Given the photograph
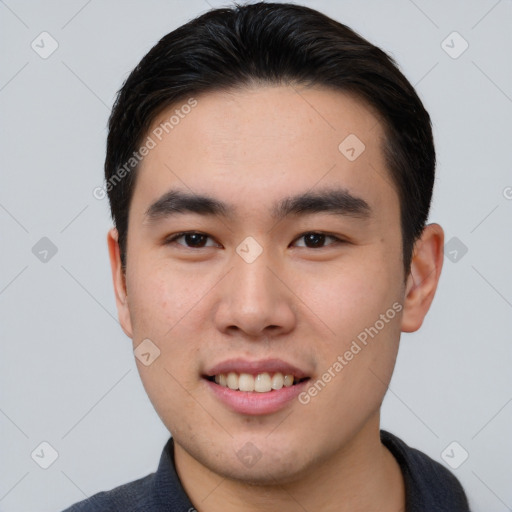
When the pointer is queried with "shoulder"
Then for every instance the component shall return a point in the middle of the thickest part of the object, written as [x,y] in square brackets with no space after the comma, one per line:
[130,497]
[158,491]
[426,480]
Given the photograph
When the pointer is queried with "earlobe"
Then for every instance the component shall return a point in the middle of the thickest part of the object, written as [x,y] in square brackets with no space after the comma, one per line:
[426,265]
[119,282]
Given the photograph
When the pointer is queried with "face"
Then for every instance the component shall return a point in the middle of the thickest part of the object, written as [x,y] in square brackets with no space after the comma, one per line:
[290,265]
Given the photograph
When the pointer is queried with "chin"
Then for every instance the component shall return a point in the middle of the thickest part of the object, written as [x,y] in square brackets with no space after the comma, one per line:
[268,471]
[254,460]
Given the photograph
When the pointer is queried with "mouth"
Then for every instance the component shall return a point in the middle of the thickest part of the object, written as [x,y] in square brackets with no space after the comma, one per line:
[255,387]
[264,382]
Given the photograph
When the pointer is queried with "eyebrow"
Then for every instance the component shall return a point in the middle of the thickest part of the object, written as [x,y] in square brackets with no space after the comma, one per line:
[337,201]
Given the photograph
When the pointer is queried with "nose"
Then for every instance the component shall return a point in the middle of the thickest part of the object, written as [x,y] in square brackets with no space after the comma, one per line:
[255,300]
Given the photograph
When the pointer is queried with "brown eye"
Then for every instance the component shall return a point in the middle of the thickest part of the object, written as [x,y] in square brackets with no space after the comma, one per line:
[195,239]
[191,239]
[315,240]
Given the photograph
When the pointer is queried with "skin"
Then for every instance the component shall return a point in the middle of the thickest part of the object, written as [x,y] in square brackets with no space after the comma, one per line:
[250,148]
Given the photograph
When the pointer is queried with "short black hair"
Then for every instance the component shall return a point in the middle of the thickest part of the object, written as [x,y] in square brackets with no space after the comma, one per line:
[273,44]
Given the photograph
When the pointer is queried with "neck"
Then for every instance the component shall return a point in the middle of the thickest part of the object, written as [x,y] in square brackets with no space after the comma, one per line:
[360,477]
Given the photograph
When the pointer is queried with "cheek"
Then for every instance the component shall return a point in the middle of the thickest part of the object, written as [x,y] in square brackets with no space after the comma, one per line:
[351,296]
[159,298]
[362,309]
[149,299]
[162,306]
[158,308]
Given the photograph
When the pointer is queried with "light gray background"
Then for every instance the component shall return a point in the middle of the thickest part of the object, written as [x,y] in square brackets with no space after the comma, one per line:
[68,375]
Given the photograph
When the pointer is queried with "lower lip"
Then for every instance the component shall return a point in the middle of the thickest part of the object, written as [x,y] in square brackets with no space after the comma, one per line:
[253,402]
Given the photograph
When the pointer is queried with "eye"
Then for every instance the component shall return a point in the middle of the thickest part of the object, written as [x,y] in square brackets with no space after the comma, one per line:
[191,239]
[315,240]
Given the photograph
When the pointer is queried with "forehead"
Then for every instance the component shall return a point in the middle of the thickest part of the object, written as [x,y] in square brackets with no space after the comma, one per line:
[248,146]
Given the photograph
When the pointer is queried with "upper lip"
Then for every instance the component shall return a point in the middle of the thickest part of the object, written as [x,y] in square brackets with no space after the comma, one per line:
[240,365]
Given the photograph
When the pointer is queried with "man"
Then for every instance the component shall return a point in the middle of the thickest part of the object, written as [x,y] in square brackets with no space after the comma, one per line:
[270,174]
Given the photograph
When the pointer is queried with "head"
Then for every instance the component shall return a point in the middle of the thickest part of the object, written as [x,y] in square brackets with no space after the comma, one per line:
[303,161]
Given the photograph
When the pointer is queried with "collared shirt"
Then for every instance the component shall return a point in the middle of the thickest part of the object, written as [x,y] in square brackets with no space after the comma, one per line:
[429,486]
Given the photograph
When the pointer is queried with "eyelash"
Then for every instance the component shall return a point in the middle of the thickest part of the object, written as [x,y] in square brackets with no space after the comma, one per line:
[172,239]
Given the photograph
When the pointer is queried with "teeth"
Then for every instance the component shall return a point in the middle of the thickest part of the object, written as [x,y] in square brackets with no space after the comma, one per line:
[261,383]
[277,381]
[288,380]
[232,380]
[246,382]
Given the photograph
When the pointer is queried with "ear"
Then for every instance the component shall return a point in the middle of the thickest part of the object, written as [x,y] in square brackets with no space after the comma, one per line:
[426,265]
[119,280]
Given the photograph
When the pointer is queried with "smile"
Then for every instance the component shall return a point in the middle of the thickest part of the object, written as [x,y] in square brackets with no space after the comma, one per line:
[261,382]
[255,387]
